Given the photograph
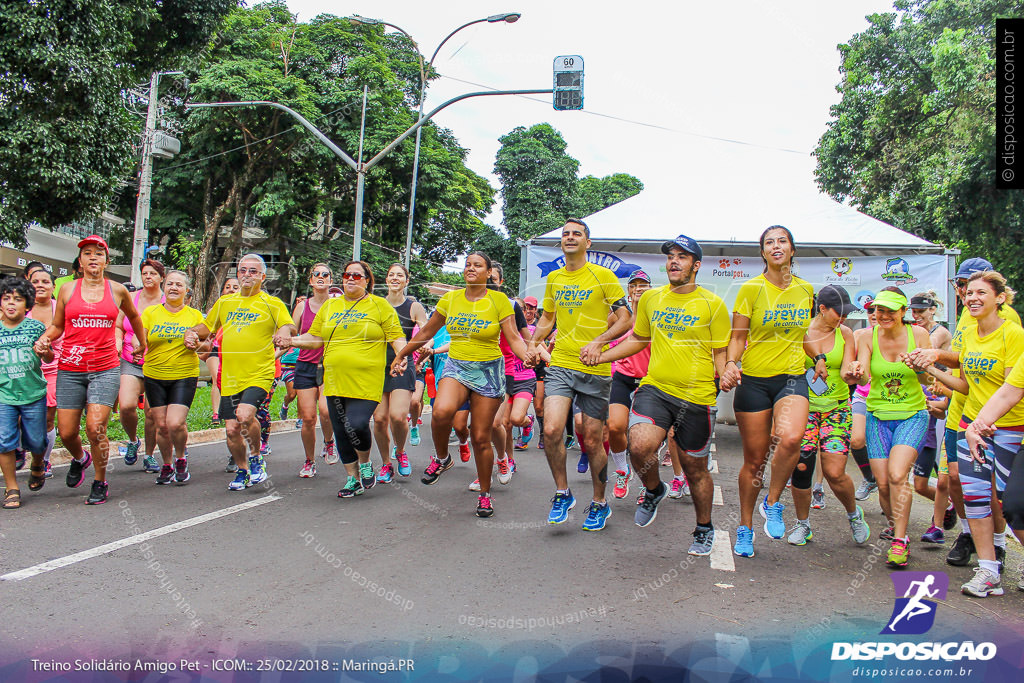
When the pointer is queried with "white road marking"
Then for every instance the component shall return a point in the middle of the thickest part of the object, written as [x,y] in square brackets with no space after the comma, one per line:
[713,467]
[718,500]
[133,540]
[721,552]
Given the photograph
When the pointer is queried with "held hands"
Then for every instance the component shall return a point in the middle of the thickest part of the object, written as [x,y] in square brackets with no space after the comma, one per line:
[532,354]
[731,378]
[42,346]
[398,366]
[854,371]
[283,341]
[920,359]
[591,354]
[191,339]
[138,351]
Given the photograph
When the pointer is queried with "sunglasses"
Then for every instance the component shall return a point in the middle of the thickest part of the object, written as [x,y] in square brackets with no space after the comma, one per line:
[246,271]
[320,273]
[870,309]
[352,276]
[959,284]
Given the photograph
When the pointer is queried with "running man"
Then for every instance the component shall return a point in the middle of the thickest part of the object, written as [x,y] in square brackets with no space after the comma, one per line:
[579,296]
[252,321]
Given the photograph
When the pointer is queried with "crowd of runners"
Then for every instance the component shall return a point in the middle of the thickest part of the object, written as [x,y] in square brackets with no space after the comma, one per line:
[632,375]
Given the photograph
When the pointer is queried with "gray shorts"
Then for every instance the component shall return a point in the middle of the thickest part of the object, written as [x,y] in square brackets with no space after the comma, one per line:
[75,390]
[590,392]
[859,405]
[132,370]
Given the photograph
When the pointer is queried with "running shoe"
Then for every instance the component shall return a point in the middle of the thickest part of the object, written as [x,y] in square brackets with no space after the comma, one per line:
[933,535]
[888,533]
[504,471]
[560,506]
[1020,573]
[899,554]
[48,473]
[98,494]
[414,436]
[150,464]
[512,464]
[329,455]
[231,466]
[1000,556]
[76,473]
[215,420]
[584,464]
[241,481]
[366,475]
[622,478]
[859,527]
[257,469]
[960,554]
[984,584]
[648,509]
[865,489]
[435,469]
[464,452]
[298,423]
[686,486]
[181,473]
[527,434]
[540,442]
[352,488]
[949,518]
[744,542]
[597,515]
[519,445]
[570,442]
[800,534]
[483,506]
[131,452]
[676,488]
[386,474]
[640,496]
[703,539]
[265,449]
[166,475]
[774,525]
[308,470]
[404,468]
[419,421]
[283,414]
[667,460]
[19,458]
[475,486]
[818,498]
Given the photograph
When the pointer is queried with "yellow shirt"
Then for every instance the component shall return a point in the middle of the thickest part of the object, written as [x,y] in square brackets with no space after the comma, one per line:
[474,326]
[956,403]
[779,319]
[581,301]
[356,336]
[984,362]
[683,328]
[167,357]
[247,348]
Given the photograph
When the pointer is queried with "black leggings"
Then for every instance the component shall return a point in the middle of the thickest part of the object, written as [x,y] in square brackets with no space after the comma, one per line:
[1013,496]
[803,478]
[350,418]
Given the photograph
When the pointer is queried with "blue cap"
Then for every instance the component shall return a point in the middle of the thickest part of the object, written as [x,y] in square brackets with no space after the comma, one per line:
[639,274]
[687,244]
[972,266]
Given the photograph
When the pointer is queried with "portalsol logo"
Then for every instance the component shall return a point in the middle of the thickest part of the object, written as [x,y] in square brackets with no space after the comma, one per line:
[913,613]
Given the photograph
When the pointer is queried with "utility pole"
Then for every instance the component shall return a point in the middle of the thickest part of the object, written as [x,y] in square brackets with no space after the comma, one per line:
[145,184]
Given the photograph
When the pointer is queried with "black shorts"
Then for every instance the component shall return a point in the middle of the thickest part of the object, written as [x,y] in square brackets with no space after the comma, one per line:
[756,394]
[308,375]
[407,380]
[165,392]
[253,396]
[519,386]
[623,388]
[693,423]
[540,370]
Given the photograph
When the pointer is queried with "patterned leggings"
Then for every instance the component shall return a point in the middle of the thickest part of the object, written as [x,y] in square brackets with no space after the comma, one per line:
[976,478]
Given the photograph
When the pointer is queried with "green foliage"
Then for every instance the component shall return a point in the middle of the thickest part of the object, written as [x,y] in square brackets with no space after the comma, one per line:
[912,141]
[66,139]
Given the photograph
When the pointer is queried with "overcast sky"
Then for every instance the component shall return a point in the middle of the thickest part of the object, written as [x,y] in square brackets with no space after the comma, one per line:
[661,83]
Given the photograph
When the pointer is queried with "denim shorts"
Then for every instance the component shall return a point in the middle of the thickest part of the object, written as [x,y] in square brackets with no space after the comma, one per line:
[32,430]
[75,390]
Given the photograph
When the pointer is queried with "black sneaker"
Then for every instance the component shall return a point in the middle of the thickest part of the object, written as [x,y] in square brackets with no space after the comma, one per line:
[76,473]
[960,554]
[98,494]
[435,469]
[949,518]
[166,474]
[648,508]
[1000,557]
[181,474]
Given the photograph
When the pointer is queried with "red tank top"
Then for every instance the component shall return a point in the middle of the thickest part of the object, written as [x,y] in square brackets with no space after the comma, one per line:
[309,355]
[89,344]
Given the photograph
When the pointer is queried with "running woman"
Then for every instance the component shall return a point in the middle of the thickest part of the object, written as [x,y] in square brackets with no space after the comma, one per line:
[252,321]
[686,328]
[579,296]
[476,317]
[212,360]
[132,373]
[897,417]
[171,374]
[353,331]
[627,373]
[394,404]
[960,554]
[858,434]
[770,318]
[22,387]
[42,310]
[829,418]
[989,351]
[309,375]
[89,372]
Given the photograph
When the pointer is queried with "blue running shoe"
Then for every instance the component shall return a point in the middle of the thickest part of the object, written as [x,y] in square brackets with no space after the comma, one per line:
[241,481]
[414,436]
[744,541]
[597,515]
[584,464]
[774,525]
[257,469]
[131,452]
[560,506]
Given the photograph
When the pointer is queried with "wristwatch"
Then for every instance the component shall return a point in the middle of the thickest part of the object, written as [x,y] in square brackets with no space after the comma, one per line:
[820,356]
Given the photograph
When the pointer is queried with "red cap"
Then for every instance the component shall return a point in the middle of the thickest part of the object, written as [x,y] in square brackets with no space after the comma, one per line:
[94,239]
[530,300]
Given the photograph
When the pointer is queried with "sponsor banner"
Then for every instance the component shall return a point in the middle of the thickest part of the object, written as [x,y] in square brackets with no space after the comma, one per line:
[862,276]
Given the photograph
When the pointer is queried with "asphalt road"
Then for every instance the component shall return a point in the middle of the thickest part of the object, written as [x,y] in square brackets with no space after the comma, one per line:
[408,570]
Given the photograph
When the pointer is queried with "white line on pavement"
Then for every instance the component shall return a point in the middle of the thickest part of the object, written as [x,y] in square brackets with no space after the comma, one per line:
[132,540]
[721,552]
[718,500]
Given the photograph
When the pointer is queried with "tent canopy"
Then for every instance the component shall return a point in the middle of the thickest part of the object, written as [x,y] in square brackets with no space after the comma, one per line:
[820,227]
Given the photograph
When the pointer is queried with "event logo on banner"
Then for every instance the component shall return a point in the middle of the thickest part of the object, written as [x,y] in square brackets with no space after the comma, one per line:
[842,273]
[613,263]
[897,271]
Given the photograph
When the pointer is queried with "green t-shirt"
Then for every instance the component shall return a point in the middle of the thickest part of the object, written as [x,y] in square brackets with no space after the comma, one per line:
[21,374]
